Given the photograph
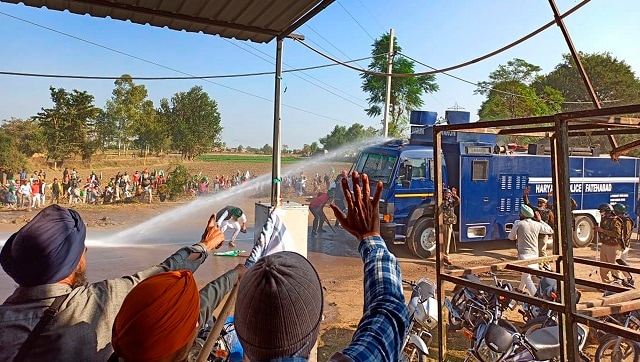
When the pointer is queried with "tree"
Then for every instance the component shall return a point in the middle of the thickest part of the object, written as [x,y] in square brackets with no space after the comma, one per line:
[341,136]
[10,157]
[306,150]
[177,181]
[510,93]
[194,121]
[67,127]
[240,148]
[152,135]
[26,135]
[614,83]
[127,111]
[266,149]
[314,148]
[405,92]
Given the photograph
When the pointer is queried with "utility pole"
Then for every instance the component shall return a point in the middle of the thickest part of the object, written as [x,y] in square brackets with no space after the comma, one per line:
[387,101]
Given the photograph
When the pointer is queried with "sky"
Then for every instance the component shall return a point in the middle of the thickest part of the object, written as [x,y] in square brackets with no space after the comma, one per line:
[439,33]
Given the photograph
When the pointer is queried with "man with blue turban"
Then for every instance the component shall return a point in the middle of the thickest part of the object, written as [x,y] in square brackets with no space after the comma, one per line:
[526,231]
[54,314]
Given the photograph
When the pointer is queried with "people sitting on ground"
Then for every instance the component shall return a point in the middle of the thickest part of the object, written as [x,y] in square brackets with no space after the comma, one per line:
[279,305]
[232,217]
[47,259]
[160,317]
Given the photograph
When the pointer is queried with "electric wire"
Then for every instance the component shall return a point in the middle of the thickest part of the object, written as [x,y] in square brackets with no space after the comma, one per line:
[188,75]
[354,19]
[269,60]
[372,16]
[457,66]
[330,43]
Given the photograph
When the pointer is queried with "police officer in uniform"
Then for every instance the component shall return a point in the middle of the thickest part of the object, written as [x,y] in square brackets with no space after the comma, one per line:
[546,215]
[610,235]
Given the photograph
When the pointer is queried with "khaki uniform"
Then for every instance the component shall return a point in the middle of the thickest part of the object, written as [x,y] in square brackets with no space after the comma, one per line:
[449,219]
[611,246]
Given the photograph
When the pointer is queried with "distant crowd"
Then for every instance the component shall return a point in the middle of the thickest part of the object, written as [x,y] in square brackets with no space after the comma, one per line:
[23,191]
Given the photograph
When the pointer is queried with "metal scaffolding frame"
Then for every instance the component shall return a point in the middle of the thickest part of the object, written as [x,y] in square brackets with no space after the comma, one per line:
[559,127]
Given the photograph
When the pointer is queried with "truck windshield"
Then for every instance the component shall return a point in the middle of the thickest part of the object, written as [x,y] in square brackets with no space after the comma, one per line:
[379,167]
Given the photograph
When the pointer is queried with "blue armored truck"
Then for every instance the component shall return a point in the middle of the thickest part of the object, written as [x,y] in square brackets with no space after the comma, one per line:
[490,179]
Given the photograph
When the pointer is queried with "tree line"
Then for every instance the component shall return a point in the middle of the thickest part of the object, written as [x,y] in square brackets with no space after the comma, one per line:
[189,122]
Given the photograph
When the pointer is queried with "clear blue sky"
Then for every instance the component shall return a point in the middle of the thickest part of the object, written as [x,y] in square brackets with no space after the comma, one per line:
[439,33]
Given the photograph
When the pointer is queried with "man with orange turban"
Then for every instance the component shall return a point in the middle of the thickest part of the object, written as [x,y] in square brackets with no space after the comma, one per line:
[159,318]
[47,259]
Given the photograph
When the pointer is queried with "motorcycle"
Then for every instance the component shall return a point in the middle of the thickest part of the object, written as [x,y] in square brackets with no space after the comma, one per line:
[227,347]
[613,347]
[496,340]
[467,306]
[423,318]
[536,317]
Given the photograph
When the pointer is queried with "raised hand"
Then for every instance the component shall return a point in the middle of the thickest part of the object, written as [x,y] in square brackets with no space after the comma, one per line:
[212,237]
[363,217]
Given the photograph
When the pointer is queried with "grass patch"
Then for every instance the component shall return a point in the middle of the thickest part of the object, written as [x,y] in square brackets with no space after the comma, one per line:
[245,158]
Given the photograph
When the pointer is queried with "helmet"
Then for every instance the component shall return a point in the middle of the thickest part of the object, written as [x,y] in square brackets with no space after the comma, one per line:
[236,212]
[446,191]
[620,208]
[605,208]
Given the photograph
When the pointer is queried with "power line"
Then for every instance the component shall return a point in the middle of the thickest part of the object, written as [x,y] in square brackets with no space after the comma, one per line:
[189,76]
[373,16]
[330,43]
[312,77]
[354,19]
[461,65]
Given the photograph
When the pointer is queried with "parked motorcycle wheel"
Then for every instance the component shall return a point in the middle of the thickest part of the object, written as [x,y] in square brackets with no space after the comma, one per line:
[416,354]
[614,348]
[422,241]
[537,323]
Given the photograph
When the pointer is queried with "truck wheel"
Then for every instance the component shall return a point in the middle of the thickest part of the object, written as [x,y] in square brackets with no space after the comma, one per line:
[583,234]
[422,241]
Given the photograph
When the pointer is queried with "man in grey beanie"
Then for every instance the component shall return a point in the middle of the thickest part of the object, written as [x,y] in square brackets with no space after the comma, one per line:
[279,306]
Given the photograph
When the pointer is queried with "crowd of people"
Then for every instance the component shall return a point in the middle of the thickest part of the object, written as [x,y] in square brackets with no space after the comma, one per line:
[155,314]
[24,191]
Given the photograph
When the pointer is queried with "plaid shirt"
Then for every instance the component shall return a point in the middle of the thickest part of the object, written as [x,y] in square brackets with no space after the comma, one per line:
[383,325]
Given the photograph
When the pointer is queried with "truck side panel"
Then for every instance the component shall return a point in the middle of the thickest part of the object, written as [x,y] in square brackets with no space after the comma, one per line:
[491,188]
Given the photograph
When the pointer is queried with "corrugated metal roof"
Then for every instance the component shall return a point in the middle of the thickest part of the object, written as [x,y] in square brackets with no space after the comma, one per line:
[256,20]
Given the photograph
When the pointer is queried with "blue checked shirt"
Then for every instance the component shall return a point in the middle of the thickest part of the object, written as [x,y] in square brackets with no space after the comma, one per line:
[384,322]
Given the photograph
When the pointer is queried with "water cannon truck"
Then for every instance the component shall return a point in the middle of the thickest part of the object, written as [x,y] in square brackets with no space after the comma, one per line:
[490,179]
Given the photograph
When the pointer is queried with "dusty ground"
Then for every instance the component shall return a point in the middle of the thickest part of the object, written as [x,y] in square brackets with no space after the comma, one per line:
[171,224]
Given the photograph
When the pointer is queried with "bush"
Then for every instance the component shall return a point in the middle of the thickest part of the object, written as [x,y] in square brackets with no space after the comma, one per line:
[178,179]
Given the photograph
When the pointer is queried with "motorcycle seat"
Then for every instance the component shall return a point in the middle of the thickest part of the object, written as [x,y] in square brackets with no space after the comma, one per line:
[475,279]
[544,343]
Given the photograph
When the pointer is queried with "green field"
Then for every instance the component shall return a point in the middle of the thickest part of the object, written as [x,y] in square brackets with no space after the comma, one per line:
[245,158]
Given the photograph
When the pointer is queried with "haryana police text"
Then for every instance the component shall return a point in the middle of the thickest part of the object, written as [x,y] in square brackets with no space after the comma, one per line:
[575,188]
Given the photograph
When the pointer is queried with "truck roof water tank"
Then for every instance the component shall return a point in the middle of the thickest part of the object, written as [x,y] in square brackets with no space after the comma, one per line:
[424,118]
[457,117]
